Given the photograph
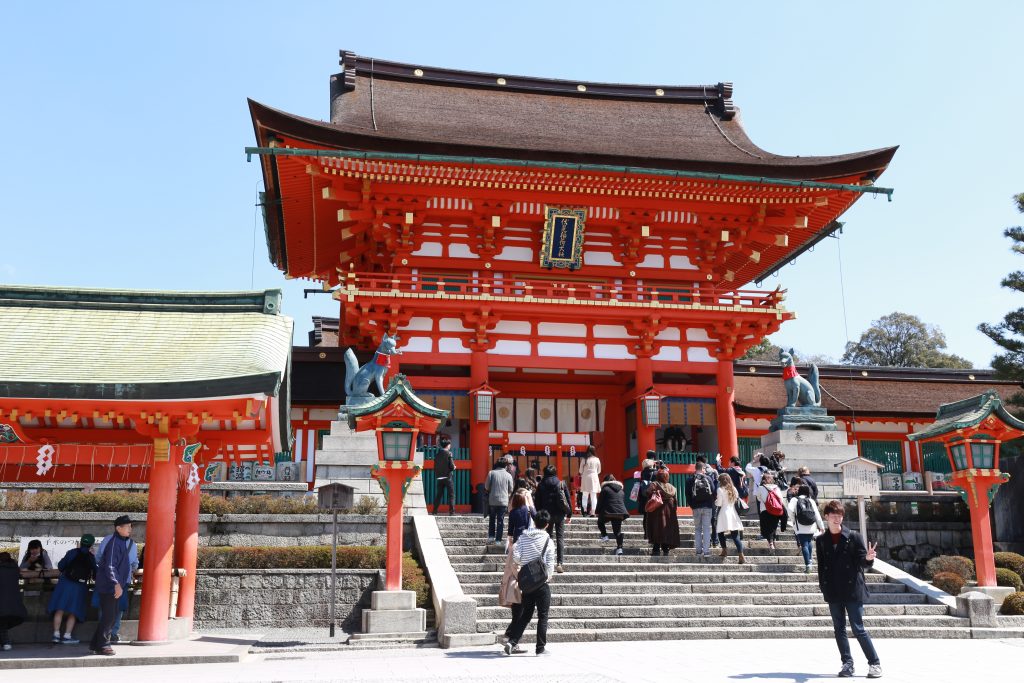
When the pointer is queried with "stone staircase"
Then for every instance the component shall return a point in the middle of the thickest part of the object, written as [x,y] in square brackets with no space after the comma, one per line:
[603,597]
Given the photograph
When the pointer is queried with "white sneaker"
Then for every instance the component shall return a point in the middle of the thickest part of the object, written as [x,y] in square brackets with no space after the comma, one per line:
[875,671]
[604,539]
[69,640]
[808,568]
[7,646]
[618,551]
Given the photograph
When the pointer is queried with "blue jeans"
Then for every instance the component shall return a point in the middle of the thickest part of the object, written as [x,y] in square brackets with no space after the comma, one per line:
[805,542]
[737,539]
[496,521]
[702,530]
[855,610]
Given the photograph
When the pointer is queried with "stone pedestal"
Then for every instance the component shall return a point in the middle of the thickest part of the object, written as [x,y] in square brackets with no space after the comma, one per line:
[346,458]
[819,451]
[393,614]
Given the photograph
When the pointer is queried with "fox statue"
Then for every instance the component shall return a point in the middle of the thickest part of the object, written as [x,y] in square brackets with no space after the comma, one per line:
[799,391]
[357,379]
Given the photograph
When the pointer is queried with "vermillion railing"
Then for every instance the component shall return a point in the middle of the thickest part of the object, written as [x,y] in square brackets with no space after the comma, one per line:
[430,286]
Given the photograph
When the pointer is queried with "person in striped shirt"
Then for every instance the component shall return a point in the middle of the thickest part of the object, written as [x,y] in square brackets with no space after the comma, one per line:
[532,544]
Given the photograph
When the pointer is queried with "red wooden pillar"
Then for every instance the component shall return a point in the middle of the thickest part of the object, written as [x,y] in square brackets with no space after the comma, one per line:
[156,577]
[645,436]
[728,443]
[976,483]
[186,548]
[479,432]
[615,443]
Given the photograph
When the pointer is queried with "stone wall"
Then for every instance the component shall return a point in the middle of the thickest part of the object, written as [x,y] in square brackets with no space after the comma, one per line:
[266,598]
[909,545]
[214,530]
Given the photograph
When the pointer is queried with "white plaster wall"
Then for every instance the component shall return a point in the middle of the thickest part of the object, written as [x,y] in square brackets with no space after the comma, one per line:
[697,334]
[515,254]
[460,251]
[611,332]
[451,325]
[513,327]
[561,350]
[652,261]
[698,354]
[669,334]
[668,353]
[429,249]
[510,347]
[613,351]
[600,258]
[451,345]
[562,329]
[681,263]
[418,325]
[420,344]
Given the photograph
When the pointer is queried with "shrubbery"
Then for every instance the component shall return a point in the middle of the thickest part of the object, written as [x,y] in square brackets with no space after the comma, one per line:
[961,566]
[1008,577]
[1011,561]
[1013,604]
[949,582]
[115,501]
[314,557]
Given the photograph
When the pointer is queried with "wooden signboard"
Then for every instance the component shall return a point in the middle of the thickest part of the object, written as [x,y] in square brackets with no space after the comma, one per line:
[860,478]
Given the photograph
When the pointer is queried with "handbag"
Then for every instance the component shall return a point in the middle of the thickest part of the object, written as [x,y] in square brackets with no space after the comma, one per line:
[654,501]
[534,573]
[509,593]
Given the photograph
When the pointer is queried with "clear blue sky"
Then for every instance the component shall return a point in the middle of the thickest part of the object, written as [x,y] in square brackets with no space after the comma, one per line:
[124,125]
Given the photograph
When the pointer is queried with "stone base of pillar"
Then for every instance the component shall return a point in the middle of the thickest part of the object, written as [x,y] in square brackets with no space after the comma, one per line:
[393,614]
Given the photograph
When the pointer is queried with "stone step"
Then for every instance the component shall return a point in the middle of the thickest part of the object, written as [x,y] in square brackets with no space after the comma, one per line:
[773,600]
[490,587]
[678,575]
[663,609]
[625,564]
[582,554]
[645,623]
[713,632]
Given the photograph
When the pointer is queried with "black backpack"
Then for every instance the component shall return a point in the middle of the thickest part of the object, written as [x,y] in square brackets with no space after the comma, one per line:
[701,489]
[534,573]
[805,511]
[80,567]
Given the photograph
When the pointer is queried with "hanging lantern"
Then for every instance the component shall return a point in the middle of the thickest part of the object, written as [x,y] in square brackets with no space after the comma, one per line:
[650,408]
[483,403]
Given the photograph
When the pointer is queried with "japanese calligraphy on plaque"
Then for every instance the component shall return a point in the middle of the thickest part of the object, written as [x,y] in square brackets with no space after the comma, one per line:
[562,241]
[860,478]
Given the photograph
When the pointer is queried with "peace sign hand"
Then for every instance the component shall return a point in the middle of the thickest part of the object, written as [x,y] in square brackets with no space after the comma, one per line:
[871,554]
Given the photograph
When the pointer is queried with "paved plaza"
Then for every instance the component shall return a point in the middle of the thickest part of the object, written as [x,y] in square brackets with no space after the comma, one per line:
[777,661]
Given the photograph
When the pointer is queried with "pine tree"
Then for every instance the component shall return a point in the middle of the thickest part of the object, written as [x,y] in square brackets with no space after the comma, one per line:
[1009,334]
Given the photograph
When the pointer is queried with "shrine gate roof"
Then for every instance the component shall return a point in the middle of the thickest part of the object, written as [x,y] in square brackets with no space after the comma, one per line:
[383,106]
[911,392]
[132,345]
[966,414]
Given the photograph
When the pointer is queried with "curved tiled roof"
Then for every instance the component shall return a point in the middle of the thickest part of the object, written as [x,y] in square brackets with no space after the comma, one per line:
[385,107]
[113,344]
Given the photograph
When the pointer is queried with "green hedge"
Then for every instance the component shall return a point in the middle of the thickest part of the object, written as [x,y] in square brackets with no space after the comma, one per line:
[1012,561]
[115,501]
[948,581]
[961,566]
[1013,604]
[314,557]
[1008,577]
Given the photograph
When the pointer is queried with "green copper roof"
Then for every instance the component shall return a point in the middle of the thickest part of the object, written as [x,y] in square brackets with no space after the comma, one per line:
[125,345]
[965,414]
[398,388]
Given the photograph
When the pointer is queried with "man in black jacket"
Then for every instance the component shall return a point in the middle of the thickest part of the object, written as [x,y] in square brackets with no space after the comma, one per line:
[842,559]
[553,497]
[444,475]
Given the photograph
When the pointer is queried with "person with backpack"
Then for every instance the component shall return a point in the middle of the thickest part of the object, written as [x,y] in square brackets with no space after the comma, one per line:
[113,576]
[444,476]
[842,559]
[536,559]
[769,500]
[647,469]
[12,607]
[71,596]
[498,487]
[553,497]
[805,474]
[611,507]
[701,492]
[662,522]
[806,521]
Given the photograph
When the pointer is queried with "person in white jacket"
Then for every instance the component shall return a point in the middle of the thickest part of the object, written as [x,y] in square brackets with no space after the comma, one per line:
[806,530]
[769,522]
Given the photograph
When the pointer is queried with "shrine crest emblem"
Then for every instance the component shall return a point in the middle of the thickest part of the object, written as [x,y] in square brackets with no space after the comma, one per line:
[562,241]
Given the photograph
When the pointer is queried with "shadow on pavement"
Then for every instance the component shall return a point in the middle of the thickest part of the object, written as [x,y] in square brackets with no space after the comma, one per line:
[476,654]
[782,675]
